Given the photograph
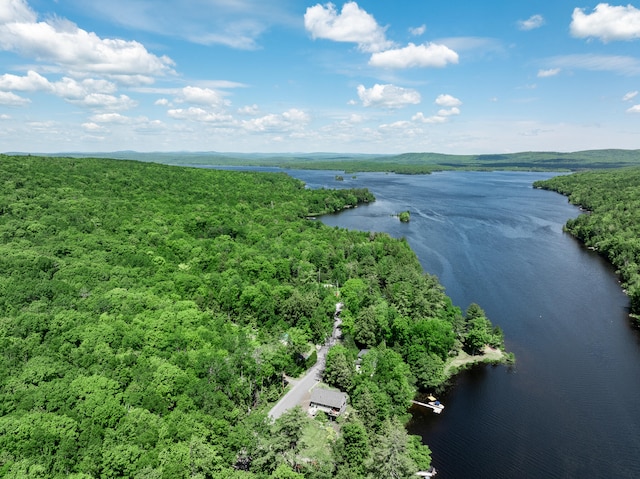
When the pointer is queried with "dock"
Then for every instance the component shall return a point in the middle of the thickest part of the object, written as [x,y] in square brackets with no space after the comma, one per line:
[433,404]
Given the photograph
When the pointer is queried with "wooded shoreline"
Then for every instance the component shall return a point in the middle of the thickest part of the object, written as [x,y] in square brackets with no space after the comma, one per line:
[149,312]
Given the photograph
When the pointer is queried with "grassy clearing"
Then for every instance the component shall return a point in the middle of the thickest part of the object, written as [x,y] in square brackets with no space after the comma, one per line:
[463,360]
[317,437]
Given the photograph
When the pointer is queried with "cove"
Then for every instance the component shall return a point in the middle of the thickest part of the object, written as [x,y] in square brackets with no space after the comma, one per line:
[569,407]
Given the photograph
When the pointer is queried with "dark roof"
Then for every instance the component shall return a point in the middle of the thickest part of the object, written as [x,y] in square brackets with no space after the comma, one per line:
[326,397]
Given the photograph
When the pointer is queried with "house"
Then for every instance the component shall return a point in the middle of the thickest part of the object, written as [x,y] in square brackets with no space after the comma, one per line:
[333,403]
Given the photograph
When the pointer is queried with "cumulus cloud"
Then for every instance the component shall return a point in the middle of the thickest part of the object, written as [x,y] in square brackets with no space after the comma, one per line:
[90,93]
[450,104]
[31,82]
[100,101]
[110,118]
[67,88]
[16,11]
[203,96]
[92,127]
[447,101]
[629,96]
[352,24]
[634,109]
[426,55]
[548,73]
[62,43]
[198,114]
[11,99]
[449,112]
[291,120]
[387,96]
[607,23]
[531,23]
[207,105]
[421,118]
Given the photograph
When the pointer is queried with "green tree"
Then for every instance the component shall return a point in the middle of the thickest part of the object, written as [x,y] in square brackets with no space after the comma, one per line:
[352,449]
[390,456]
[339,368]
[282,445]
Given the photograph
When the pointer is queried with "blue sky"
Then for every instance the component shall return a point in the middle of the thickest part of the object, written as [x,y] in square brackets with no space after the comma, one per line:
[294,76]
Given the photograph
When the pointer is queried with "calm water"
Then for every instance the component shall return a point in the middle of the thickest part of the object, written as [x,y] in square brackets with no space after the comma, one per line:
[570,407]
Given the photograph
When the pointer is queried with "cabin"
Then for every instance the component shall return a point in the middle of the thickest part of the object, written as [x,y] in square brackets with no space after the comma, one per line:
[333,403]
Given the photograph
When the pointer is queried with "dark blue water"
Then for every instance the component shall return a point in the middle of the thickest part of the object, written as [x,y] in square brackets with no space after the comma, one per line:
[570,407]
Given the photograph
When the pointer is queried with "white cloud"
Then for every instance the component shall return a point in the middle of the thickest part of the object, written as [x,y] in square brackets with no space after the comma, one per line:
[449,112]
[290,120]
[62,43]
[352,24]
[162,102]
[209,106]
[90,93]
[629,96]
[92,127]
[447,101]
[11,99]
[31,82]
[203,97]
[388,96]
[4,116]
[67,88]
[634,109]
[110,118]
[16,11]
[198,114]
[295,115]
[450,104]
[531,23]
[420,118]
[101,101]
[426,55]
[551,72]
[607,23]
[417,31]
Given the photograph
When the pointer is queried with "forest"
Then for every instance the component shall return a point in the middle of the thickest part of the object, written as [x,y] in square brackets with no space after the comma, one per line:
[149,312]
[611,223]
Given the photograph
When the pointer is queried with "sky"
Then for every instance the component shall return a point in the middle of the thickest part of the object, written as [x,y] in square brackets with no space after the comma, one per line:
[366,76]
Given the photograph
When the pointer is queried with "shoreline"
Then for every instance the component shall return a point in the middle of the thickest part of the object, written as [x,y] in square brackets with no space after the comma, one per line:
[464,360]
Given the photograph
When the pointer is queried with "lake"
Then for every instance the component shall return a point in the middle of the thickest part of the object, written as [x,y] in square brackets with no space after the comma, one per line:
[570,406]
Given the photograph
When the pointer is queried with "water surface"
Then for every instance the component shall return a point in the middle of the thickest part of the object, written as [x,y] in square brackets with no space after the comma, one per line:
[569,408]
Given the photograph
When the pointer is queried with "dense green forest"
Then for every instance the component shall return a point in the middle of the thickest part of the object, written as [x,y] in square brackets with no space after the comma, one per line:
[611,224]
[148,313]
[406,163]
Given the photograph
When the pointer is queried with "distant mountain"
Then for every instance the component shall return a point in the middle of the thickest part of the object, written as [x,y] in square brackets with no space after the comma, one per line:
[402,163]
